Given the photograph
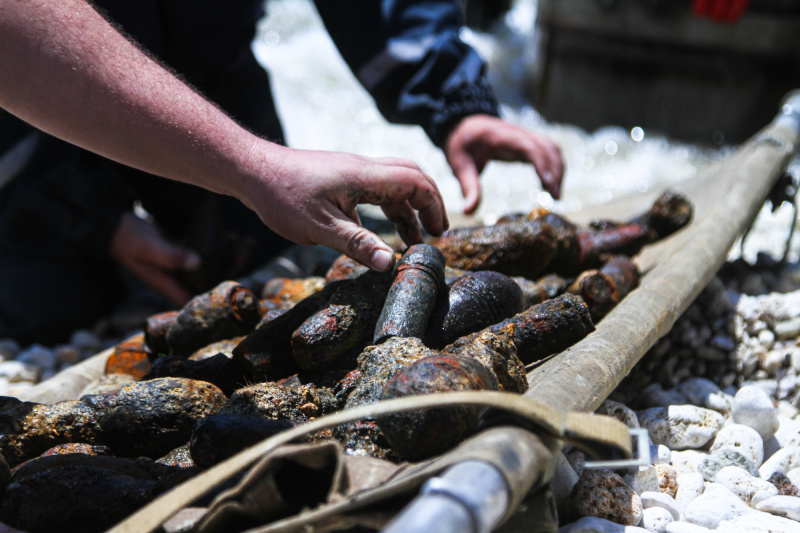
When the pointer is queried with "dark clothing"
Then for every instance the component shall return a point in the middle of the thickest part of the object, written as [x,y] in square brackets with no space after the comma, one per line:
[58,215]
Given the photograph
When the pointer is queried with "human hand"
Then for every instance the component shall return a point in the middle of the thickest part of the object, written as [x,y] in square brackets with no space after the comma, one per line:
[310,197]
[139,246]
[480,138]
[720,10]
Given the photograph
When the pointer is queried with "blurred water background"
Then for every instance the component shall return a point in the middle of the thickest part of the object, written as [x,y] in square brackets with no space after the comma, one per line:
[323,107]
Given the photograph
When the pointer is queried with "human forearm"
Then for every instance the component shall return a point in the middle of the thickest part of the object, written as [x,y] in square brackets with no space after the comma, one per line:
[70,73]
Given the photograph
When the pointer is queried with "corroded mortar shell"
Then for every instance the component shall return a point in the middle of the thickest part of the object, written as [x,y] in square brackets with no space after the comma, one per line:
[424,433]
[285,292]
[418,281]
[129,357]
[549,327]
[546,287]
[472,303]
[670,212]
[497,353]
[603,289]
[220,370]
[155,332]
[345,325]
[229,310]
[514,249]
[344,268]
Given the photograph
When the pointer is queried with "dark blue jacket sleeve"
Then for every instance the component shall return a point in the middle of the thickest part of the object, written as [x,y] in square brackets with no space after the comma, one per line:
[408,55]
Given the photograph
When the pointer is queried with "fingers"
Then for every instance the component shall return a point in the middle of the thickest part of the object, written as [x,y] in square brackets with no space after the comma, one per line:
[405,220]
[360,244]
[467,172]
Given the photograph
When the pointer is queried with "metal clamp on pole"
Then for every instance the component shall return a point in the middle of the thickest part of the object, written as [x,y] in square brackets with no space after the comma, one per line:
[470,497]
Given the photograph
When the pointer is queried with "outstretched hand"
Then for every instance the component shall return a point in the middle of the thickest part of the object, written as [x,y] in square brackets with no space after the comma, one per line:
[310,197]
[139,246]
[479,139]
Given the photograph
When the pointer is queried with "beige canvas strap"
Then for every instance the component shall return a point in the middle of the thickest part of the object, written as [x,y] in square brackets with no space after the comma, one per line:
[582,429]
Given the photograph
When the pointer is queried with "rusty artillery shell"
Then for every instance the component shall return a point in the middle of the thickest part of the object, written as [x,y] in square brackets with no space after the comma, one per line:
[343,327]
[229,310]
[82,493]
[514,249]
[670,212]
[567,242]
[546,287]
[269,348]
[497,353]
[597,244]
[28,429]
[226,373]
[285,292]
[281,402]
[150,418]
[424,433]
[221,436]
[155,332]
[129,357]
[603,289]
[473,302]
[548,327]
[344,268]
[418,281]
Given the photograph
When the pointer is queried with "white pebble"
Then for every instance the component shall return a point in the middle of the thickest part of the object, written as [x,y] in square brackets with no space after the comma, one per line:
[743,439]
[620,411]
[690,486]
[660,454]
[687,460]
[786,506]
[16,371]
[659,499]
[752,407]
[787,329]
[656,519]
[715,505]
[590,524]
[685,527]
[758,522]
[645,479]
[794,476]
[750,489]
[654,395]
[681,426]
[705,393]
[766,338]
[782,461]
[788,433]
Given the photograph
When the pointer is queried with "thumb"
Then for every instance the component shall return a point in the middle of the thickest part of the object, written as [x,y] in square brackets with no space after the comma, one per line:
[360,244]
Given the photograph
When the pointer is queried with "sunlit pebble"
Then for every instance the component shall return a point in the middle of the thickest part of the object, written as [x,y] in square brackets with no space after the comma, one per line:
[637,134]
[611,148]
[271,38]
[544,199]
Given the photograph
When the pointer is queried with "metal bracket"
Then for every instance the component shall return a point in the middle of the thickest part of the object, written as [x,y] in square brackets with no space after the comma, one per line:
[641,455]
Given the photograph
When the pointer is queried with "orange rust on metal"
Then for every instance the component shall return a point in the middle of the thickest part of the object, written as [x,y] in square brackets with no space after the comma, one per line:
[285,292]
[129,357]
[344,268]
[155,331]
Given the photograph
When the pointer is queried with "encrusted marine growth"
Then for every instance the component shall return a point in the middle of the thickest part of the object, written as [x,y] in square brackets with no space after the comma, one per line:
[603,289]
[229,310]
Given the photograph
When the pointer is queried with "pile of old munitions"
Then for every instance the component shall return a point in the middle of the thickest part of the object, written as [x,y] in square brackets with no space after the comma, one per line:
[467,311]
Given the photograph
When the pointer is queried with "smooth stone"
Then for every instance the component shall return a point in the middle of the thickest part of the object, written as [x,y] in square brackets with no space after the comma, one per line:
[690,486]
[752,407]
[774,361]
[794,476]
[654,395]
[787,329]
[645,479]
[750,489]
[771,447]
[743,439]
[9,349]
[715,505]
[687,460]
[759,522]
[659,499]
[766,338]
[705,393]
[681,426]
[656,519]
[782,461]
[68,355]
[17,371]
[86,341]
[788,433]
[620,411]
[591,524]
[564,480]
[39,356]
[602,493]
[685,527]
[660,454]
[786,506]
[718,460]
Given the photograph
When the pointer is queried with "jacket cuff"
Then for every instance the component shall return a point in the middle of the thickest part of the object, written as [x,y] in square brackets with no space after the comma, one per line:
[466,101]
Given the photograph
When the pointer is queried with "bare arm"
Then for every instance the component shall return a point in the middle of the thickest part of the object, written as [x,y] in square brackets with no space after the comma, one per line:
[64,69]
